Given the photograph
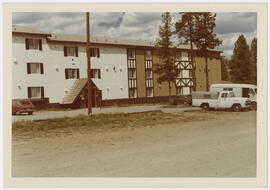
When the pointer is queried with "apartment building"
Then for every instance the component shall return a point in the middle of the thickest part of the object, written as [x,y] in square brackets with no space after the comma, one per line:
[51,70]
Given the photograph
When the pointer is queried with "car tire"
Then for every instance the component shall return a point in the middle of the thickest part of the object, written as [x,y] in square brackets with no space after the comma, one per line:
[205,106]
[237,108]
[254,105]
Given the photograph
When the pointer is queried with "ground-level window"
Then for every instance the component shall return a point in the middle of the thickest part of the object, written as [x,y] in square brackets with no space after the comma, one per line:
[34,68]
[95,73]
[35,92]
[132,92]
[71,51]
[149,92]
[72,73]
[33,44]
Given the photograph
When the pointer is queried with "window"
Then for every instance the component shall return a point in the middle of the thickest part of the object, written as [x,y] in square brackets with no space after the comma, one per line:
[149,92]
[148,73]
[94,52]
[231,94]
[95,73]
[190,73]
[131,73]
[148,55]
[224,95]
[72,73]
[34,68]
[35,92]
[179,73]
[132,92]
[71,51]
[33,44]
[131,53]
[179,91]
[178,56]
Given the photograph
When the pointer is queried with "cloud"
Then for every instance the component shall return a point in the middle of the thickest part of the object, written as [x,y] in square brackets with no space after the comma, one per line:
[135,25]
[236,22]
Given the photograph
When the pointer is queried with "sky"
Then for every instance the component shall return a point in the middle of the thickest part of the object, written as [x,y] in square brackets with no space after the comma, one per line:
[136,25]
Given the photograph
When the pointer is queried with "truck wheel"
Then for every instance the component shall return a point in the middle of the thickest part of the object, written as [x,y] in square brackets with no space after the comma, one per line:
[237,108]
[253,105]
[205,106]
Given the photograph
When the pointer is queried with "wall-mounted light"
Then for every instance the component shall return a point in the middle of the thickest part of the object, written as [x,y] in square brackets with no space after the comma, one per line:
[19,86]
[56,68]
[120,69]
[108,89]
[121,88]
[107,69]
[66,91]
[114,68]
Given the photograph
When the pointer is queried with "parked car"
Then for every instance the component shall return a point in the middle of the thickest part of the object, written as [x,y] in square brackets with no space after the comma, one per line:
[220,100]
[240,90]
[22,106]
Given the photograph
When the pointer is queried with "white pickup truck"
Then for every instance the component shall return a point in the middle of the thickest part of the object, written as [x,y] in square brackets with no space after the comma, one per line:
[219,100]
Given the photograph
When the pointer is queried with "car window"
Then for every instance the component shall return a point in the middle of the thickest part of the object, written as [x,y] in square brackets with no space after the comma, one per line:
[16,103]
[224,95]
[231,94]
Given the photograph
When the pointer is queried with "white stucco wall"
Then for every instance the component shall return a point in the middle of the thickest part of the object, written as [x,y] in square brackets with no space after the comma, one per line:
[54,63]
[113,82]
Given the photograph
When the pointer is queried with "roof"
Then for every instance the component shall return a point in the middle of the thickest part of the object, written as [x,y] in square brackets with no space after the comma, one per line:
[97,40]
[25,29]
[234,85]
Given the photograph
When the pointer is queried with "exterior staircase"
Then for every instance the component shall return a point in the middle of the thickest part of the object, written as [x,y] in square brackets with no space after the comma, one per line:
[74,91]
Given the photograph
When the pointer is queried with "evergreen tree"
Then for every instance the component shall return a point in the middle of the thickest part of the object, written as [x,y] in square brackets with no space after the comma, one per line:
[254,57]
[224,69]
[166,70]
[185,28]
[241,68]
[205,38]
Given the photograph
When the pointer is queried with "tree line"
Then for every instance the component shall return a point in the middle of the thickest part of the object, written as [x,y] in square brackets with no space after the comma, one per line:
[197,29]
[242,67]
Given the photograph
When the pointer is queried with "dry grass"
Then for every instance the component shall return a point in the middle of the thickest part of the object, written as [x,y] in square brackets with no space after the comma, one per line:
[100,122]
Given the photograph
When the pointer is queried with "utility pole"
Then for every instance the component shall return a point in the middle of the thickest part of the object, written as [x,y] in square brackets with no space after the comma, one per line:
[88,64]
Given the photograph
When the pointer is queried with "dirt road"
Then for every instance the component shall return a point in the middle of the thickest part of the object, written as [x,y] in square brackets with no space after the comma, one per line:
[222,144]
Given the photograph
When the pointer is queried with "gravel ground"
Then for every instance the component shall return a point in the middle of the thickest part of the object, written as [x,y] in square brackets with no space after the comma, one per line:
[220,144]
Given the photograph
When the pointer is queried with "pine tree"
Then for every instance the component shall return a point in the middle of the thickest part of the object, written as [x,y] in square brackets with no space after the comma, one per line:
[166,71]
[224,69]
[241,68]
[254,58]
[185,28]
[206,38]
